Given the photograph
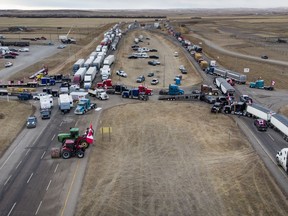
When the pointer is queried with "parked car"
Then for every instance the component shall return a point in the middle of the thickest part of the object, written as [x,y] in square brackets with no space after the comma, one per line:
[9,56]
[132,57]
[154,81]
[61,46]
[13,50]
[153,50]
[24,49]
[153,62]
[14,53]
[246,98]
[154,57]
[150,74]
[209,99]
[176,54]
[8,64]
[264,57]
[182,69]
[140,79]
[31,122]
[261,124]
[121,73]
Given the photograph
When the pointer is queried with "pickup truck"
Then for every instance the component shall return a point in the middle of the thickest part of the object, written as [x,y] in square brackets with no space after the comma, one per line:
[25,96]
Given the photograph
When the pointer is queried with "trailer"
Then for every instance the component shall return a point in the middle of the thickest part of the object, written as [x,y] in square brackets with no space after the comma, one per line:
[89,77]
[64,102]
[281,123]
[218,81]
[220,72]
[226,88]
[78,64]
[97,62]
[78,77]
[239,78]
[282,159]
[109,60]
[256,110]
[88,62]
[77,95]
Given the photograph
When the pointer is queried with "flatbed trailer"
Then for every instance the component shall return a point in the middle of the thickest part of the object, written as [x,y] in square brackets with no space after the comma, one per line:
[185,97]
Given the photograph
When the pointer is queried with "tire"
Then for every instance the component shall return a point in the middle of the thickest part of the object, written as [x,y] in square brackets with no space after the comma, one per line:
[66,154]
[80,154]
[84,144]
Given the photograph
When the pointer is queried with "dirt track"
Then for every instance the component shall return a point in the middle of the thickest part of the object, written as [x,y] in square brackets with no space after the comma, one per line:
[156,165]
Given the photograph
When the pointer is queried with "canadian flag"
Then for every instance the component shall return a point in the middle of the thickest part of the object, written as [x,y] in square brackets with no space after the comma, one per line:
[89,137]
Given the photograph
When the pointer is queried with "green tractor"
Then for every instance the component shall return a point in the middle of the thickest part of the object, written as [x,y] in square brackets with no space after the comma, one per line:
[73,135]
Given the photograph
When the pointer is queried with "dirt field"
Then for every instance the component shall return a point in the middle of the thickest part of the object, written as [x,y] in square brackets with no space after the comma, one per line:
[254,36]
[156,165]
[165,72]
[12,119]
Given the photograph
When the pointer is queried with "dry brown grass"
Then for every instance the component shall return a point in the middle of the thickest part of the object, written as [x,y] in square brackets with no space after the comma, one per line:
[13,117]
[162,161]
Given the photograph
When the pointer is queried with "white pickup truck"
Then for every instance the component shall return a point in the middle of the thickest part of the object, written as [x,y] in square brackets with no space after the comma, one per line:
[98,93]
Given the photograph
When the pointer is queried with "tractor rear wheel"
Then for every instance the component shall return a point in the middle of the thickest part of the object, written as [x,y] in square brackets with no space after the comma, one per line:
[66,154]
[84,144]
[80,154]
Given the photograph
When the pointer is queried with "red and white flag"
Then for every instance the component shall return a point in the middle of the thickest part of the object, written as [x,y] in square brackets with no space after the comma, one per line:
[89,137]
[273,83]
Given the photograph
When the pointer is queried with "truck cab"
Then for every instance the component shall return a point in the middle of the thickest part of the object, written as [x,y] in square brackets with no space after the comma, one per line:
[261,124]
[281,159]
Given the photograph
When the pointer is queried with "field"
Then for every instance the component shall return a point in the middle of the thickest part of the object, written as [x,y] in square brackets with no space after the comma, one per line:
[175,165]
[253,36]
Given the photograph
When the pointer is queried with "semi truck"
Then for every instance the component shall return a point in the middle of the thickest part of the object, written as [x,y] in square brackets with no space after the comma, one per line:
[83,106]
[218,80]
[109,60]
[282,159]
[219,72]
[237,77]
[172,90]
[46,102]
[256,110]
[281,123]
[98,93]
[89,77]
[135,94]
[259,84]
[79,76]
[78,64]
[226,88]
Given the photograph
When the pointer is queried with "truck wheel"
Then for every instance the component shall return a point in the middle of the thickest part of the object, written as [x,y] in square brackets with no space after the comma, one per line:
[66,154]
[84,144]
[80,154]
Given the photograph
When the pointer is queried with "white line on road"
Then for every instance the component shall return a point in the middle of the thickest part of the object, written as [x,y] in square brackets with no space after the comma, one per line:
[61,123]
[53,137]
[18,164]
[8,158]
[29,178]
[270,136]
[27,152]
[43,154]
[48,185]
[38,207]
[12,209]
[7,180]
[56,168]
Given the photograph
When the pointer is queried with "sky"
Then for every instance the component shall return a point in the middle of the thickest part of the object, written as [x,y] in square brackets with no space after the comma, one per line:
[139,4]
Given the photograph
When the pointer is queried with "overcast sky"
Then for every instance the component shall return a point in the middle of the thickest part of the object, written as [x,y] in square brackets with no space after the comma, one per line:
[139,4]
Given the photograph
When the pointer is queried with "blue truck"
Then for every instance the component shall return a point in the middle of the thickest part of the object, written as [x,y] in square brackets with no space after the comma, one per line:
[172,90]
[134,93]
[83,106]
[259,84]
[25,96]
[48,81]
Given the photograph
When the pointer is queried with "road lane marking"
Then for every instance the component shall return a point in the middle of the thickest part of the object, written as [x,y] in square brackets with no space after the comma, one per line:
[53,137]
[48,185]
[70,188]
[56,168]
[12,209]
[61,123]
[7,180]
[18,164]
[38,207]
[27,152]
[29,178]
[43,154]
[270,137]
[8,158]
